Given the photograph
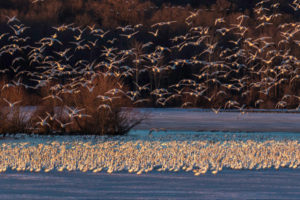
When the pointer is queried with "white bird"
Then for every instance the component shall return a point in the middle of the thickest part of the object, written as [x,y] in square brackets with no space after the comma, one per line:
[102,35]
[231,103]
[155,34]
[219,20]
[141,101]
[263,24]
[128,36]
[80,115]
[36,1]
[257,102]
[106,98]
[11,105]
[216,111]
[186,104]
[12,19]
[281,104]
[43,122]
[3,35]
[51,117]
[52,96]
[8,85]
[144,87]
[126,28]
[115,91]
[72,112]
[63,125]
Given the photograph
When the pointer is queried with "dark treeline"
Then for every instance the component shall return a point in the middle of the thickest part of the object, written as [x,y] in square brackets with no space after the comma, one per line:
[113,13]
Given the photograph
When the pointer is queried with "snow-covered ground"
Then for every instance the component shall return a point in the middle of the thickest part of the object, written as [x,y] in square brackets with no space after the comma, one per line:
[206,120]
[278,129]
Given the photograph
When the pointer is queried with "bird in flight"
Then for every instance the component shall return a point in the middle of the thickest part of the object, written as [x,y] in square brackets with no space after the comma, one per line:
[11,104]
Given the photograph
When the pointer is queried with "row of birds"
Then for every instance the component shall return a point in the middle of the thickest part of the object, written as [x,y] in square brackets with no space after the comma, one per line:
[228,64]
[138,156]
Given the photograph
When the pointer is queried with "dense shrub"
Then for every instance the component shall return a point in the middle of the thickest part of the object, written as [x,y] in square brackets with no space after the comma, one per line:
[68,113]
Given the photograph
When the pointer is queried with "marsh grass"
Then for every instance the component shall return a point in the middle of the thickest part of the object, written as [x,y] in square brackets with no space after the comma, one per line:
[111,119]
[14,120]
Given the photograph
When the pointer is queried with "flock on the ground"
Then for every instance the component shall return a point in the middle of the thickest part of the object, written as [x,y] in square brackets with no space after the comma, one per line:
[198,156]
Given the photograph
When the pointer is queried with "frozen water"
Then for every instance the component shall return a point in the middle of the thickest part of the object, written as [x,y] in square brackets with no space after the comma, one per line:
[262,184]
[233,121]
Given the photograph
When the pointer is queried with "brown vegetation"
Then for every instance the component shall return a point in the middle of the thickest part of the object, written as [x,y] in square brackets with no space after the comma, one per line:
[68,113]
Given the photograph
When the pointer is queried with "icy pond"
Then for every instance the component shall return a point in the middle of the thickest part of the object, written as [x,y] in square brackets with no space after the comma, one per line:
[186,155]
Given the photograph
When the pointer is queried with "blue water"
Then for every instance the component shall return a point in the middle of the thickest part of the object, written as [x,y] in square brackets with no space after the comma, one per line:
[156,136]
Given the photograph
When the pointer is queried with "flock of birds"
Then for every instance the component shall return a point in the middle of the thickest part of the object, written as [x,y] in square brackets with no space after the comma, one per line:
[199,156]
[229,68]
